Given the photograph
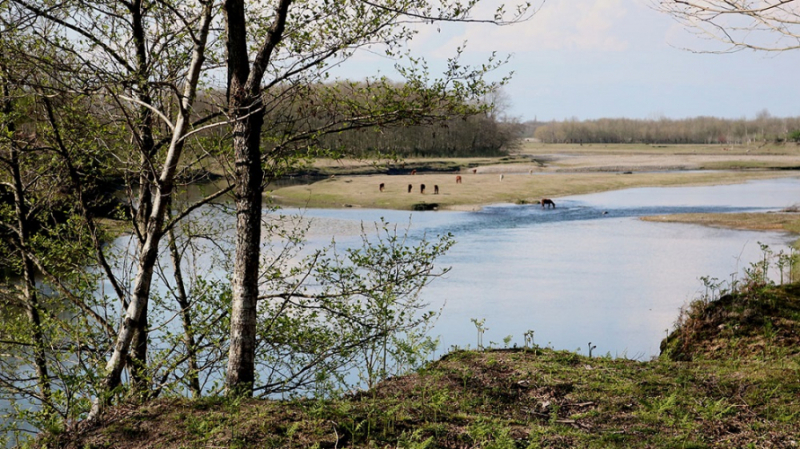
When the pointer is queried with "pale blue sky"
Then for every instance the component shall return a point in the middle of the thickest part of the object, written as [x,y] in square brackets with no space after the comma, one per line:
[612,58]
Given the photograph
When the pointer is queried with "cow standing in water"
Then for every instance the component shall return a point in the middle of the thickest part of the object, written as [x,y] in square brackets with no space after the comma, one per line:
[382,186]
[458,179]
[422,189]
[548,203]
[436,189]
[409,188]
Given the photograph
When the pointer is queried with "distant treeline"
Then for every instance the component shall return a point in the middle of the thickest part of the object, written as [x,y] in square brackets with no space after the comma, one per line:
[332,116]
[478,135]
[698,130]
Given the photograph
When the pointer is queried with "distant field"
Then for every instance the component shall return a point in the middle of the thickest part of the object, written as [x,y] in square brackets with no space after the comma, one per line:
[538,170]
[481,189]
[662,157]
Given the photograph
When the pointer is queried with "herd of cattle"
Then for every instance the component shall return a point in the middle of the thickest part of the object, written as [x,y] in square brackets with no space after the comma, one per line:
[545,202]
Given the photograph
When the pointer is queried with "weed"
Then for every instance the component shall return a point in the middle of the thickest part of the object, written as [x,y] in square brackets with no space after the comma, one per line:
[479,326]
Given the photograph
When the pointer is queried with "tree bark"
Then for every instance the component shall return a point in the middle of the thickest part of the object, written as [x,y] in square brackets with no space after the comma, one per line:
[186,317]
[246,107]
[138,356]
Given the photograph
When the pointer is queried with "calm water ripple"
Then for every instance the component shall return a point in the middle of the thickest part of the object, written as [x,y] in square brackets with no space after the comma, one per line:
[588,270]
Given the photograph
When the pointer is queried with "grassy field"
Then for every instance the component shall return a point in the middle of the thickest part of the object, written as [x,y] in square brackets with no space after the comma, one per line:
[535,171]
[735,384]
[487,188]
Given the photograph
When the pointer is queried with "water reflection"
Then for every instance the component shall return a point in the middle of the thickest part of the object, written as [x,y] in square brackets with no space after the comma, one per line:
[575,274]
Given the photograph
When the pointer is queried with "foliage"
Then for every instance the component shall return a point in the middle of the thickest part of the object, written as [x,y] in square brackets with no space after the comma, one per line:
[347,318]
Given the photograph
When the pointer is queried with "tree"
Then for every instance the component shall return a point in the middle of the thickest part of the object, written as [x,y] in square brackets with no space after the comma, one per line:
[294,45]
[113,88]
[149,87]
[763,25]
[49,167]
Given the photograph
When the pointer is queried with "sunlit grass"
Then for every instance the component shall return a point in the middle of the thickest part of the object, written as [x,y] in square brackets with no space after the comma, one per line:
[487,188]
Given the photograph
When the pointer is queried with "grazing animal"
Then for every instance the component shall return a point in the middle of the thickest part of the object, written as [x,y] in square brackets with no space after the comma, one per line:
[501,177]
[474,171]
[548,203]
[436,189]
[458,179]
[422,189]
[413,172]
[382,186]
[409,188]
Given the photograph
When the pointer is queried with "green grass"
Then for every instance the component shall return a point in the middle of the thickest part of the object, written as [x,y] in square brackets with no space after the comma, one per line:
[718,395]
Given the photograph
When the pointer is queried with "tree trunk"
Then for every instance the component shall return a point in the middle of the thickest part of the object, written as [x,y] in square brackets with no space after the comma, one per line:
[31,299]
[241,357]
[138,357]
[186,317]
[246,107]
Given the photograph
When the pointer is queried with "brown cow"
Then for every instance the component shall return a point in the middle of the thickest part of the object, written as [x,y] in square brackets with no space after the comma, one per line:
[382,186]
[413,172]
[422,189]
[548,203]
[458,179]
[436,189]
[474,171]
[409,188]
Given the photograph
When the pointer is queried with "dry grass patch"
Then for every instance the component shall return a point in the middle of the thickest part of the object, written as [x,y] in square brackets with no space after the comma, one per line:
[771,221]
[482,189]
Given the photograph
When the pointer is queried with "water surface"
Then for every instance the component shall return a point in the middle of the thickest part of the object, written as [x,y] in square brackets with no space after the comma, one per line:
[588,271]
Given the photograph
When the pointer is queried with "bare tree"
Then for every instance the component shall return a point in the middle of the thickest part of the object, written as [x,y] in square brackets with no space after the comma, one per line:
[763,25]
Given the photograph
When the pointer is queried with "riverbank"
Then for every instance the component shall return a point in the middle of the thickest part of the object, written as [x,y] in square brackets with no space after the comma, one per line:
[736,386]
[476,190]
[785,221]
[535,171]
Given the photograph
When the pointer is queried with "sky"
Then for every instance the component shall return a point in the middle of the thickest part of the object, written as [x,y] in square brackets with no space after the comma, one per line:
[589,59]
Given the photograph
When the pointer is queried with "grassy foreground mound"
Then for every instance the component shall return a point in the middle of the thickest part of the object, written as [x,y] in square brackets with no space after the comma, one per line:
[740,389]
[755,323]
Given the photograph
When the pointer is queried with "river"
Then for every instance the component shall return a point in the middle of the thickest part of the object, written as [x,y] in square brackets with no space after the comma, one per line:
[589,270]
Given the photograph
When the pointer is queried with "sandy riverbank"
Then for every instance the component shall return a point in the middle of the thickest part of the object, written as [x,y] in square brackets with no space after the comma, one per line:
[480,189]
[537,171]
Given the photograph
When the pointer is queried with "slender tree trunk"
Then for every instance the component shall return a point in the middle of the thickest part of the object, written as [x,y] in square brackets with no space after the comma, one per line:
[149,252]
[31,299]
[186,317]
[241,357]
[245,105]
[138,356]
[29,285]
